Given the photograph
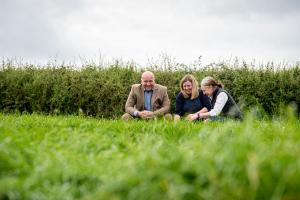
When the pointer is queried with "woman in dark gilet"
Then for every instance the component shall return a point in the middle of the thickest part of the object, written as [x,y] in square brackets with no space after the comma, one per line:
[223,105]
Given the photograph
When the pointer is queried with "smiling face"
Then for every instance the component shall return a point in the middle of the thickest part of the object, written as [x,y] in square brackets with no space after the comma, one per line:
[187,87]
[148,80]
[208,85]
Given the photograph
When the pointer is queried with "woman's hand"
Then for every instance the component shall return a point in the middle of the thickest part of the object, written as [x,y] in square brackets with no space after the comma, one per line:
[192,117]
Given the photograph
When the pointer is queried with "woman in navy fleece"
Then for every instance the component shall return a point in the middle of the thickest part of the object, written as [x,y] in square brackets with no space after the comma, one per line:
[190,99]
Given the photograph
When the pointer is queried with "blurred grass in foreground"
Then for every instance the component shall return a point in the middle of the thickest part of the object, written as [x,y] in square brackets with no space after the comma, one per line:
[59,157]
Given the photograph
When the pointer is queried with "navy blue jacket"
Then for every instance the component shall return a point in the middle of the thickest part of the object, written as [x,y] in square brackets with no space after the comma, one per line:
[187,106]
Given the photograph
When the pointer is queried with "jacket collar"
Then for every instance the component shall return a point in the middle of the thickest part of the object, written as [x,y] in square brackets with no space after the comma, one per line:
[214,96]
[154,88]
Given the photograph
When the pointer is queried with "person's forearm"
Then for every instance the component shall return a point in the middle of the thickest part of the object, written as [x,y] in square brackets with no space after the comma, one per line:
[203,110]
[136,113]
[162,111]
[203,115]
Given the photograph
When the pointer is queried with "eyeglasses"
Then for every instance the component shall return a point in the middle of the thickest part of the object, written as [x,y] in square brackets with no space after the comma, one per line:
[206,88]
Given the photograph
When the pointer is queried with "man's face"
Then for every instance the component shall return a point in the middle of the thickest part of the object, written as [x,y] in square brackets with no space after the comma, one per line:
[148,81]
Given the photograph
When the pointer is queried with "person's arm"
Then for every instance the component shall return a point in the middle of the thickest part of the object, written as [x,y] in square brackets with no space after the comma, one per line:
[165,108]
[130,103]
[178,107]
[192,117]
[179,104]
[206,106]
[218,107]
[203,110]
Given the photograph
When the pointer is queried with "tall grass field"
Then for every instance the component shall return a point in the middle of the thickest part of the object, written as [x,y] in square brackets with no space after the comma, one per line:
[75,157]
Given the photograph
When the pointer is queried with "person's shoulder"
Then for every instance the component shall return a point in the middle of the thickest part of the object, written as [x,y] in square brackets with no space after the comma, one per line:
[222,90]
[161,87]
[135,86]
[179,95]
[223,94]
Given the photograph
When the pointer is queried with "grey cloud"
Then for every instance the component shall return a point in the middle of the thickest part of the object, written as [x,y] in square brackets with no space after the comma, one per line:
[240,7]
[40,28]
[29,28]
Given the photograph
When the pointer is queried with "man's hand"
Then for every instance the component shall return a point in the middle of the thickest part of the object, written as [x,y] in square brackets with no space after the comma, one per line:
[145,114]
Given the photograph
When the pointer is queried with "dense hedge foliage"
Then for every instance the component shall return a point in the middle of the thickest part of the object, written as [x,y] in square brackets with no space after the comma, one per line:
[102,91]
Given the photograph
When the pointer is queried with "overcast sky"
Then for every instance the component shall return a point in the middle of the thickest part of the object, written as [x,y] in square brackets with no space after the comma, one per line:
[138,30]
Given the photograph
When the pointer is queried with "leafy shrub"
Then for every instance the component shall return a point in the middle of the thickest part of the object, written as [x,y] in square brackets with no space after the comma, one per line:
[102,91]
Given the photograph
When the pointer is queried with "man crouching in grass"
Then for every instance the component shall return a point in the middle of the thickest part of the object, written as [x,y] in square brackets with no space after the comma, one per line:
[147,100]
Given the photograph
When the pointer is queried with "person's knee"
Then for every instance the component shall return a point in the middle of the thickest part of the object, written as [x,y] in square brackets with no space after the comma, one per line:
[168,117]
[127,117]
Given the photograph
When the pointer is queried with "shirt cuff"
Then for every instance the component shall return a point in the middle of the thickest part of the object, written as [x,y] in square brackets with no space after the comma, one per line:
[213,113]
[136,113]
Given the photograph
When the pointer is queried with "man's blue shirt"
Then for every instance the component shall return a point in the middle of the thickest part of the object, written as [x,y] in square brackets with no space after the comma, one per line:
[147,97]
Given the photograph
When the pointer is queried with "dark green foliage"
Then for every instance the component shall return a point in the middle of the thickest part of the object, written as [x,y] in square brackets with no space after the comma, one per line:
[102,92]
